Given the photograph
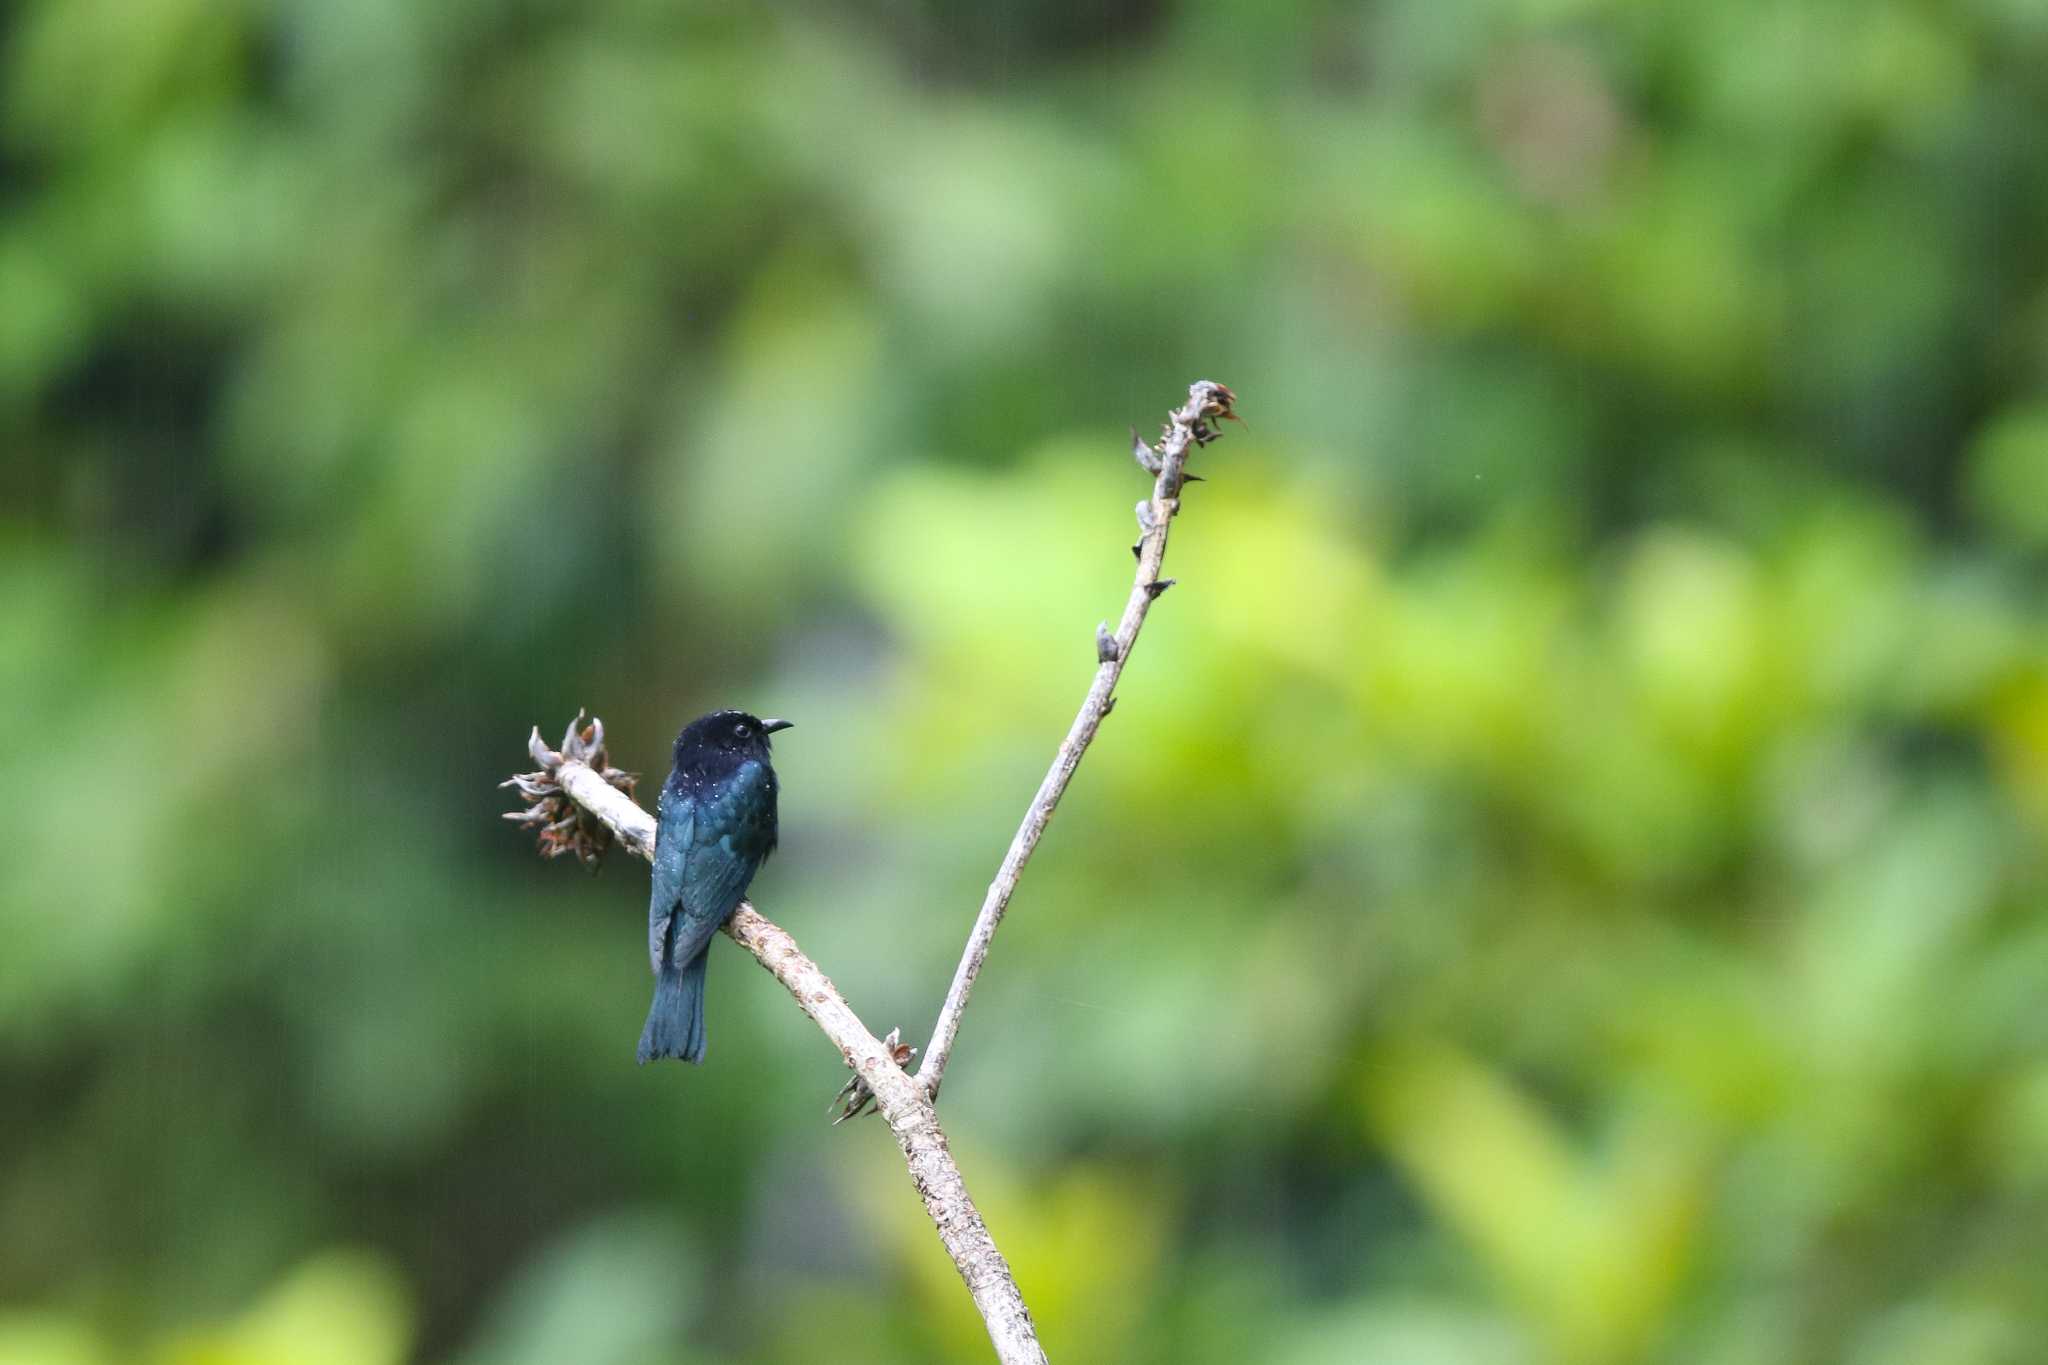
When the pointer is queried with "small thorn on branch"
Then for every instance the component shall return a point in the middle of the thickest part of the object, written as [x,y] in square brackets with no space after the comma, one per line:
[1153,589]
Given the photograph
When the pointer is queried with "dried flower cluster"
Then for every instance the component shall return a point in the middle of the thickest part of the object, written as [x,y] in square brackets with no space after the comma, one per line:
[564,826]
[855,1098]
[1194,422]
[1212,403]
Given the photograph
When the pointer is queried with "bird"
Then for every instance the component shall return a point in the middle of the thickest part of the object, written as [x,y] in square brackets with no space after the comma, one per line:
[715,827]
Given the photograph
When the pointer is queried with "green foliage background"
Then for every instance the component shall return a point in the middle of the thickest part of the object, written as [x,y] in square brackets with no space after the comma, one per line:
[1565,882]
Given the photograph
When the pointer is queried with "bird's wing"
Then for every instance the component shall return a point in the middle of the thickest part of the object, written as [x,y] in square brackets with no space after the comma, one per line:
[733,832]
[671,851]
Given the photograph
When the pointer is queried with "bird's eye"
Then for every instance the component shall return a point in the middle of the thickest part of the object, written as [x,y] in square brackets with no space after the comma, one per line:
[742,731]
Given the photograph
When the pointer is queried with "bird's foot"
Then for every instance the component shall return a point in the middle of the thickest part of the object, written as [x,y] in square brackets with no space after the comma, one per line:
[855,1098]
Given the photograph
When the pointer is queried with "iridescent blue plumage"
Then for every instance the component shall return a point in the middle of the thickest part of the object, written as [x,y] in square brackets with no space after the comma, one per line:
[715,827]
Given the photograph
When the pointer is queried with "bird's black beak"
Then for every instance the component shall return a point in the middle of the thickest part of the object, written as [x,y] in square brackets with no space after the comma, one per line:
[769,727]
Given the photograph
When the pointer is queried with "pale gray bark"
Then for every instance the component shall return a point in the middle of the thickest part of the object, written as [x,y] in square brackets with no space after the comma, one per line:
[1187,426]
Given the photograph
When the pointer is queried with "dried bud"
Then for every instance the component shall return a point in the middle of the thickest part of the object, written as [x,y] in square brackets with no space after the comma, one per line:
[1147,458]
[855,1097]
[544,756]
[1208,403]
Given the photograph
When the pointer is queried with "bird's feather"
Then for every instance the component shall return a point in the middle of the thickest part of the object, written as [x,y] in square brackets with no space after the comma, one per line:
[677,812]
[722,836]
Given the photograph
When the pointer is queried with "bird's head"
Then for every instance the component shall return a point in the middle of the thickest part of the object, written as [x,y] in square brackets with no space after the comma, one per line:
[731,732]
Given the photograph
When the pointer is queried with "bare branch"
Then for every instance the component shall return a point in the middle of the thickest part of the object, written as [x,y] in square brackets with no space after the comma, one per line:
[580,804]
[903,1102]
[909,1113]
[1188,426]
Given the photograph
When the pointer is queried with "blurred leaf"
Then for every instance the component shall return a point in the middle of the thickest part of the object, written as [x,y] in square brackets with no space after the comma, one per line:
[1408,1333]
[1595,1256]
[613,1293]
[2009,476]
[44,1339]
[343,1308]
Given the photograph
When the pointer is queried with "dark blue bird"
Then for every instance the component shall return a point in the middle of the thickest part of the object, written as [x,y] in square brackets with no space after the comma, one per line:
[717,826]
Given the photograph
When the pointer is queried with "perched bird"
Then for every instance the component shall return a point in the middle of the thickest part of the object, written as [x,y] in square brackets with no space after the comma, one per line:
[716,828]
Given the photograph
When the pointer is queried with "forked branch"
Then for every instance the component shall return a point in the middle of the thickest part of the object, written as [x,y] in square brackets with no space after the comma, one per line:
[577,803]
[584,803]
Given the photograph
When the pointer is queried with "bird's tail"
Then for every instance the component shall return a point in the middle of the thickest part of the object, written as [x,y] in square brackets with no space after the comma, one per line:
[675,1024]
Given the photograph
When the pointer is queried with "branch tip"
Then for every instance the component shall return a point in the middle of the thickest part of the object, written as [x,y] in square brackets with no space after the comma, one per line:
[1190,425]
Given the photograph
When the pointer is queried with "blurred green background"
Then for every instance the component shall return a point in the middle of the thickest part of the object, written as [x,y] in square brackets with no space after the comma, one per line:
[1565,882]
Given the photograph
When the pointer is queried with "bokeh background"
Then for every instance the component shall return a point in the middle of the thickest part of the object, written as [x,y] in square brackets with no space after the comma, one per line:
[1564,885]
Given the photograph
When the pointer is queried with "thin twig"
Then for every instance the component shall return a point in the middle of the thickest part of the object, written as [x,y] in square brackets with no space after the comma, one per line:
[1188,426]
[903,1102]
